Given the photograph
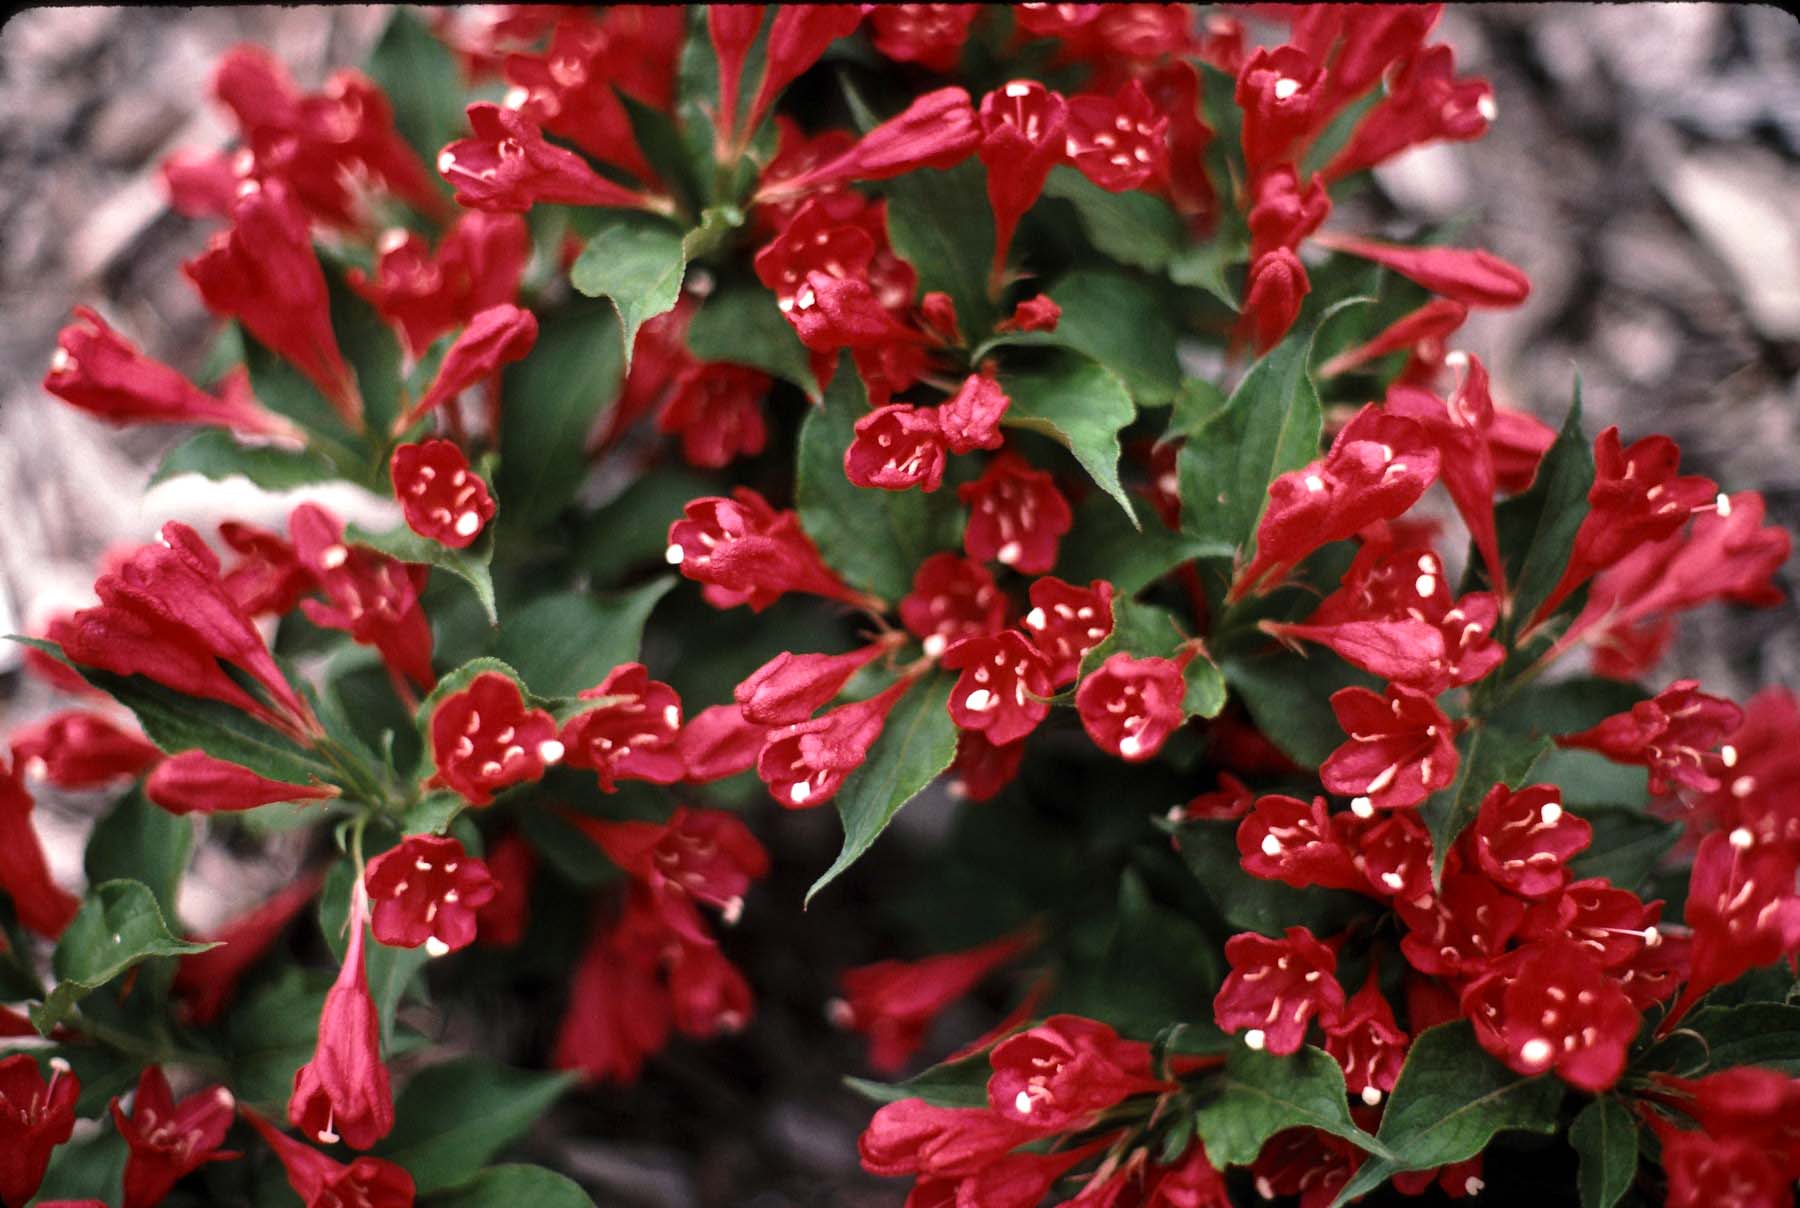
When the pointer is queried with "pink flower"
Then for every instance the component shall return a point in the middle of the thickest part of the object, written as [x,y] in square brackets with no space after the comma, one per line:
[427,891]
[169,1141]
[931,35]
[718,742]
[912,1137]
[194,782]
[896,447]
[372,597]
[696,856]
[1004,686]
[501,920]
[1425,103]
[1119,142]
[798,36]
[1129,706]
[632,735]
[790,688]
[443,500]
[717,409]
[485,739]
[1367,1043]
[1461,929]
[1022,138]
[1280,92]
[1469,275]
[1559,1011]
[496,337]
[750,553]
[970,418]
[1289,840]
[1284,215]
[323,1183]
[477,266]
[1036,313]
[1743,908]
[1401,750]
[343,1093]
[1275,987]
[1016,515]
[805,764]
[568,90]
[618,1012]
[1525,839]
[1675,734]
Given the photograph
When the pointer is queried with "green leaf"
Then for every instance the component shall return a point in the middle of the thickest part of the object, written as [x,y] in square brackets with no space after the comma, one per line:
[469,564]
[1203,266]
[940,223]
[118,925]
[1550,512]
[1082,405]
[391,971]
[515,1187]
[716,225]
[741,325]
[1133,228]
[637,260]
[961,1083]
[91,1168]
[1289,698]
[273,1033]
[1197,401]
[1449,1102]
[139,841]
[1627,845]
[565,643]
[874,539]
[432,814]
[1493,756]
[423,84]
[213,453]
[452,1119]
[553,398]
[372,351]
[285,390]
[1754,1033]
[632,528]
[1119,321]
[1103,545]
[1205,695]
[918,742]
[1605,1137]
[1261,1094]
[1247,903]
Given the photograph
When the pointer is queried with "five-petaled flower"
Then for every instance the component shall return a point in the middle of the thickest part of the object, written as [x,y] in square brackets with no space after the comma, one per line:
[170,1140]
[1276,987]
[485,739]
[427,891]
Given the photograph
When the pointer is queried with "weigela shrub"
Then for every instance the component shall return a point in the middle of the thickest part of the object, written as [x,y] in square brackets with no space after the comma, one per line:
[1016,419]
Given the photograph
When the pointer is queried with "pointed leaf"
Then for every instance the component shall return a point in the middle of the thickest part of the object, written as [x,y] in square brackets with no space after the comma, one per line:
[392,972]
[422,82]
[452,1119]
[1081,404]
[141,842]
[1261,1094]
[1118,320]
[1205,688]
[1547,516]
[515,1187]
[565,643]
[469,564]
[940,223]
[552,399]
[1133,228]
[637,261]
[1490,756]
[1605,1137]
[741,325]
[1754,1033]
[213,453]
[119,925]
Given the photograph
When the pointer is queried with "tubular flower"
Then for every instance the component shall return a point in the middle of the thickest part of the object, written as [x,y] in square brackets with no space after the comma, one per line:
[1675,734]
[477,266]
[952,598]
[1003,688]
[1468,275]
[1275,987]
[568,90]
[1461,929]
[1119,142]
[427,891]
[896,447]
[1460,430]
[1367,1043]
[1402,749]
[1425,103]
[931,35]
[485,739]
[75,749]
[633,734]
[1065,622]
[323,1183]
[893,1002]
[169,1141]
[1280,92]
[1022,138]
[798,36]
[618,1012]
[193,782]
[35,1117]
[913,1137]
[496,337]
[1129,706]
[501,921]
[704,855]
[1421,333]
[981,769]
[1289,840]
[343,1093]
[748,553]
[1743,908]
[1284,214]
[268,579]
[1061,1073]
[805,764]
[717,409]
[790,688]
[1560,1011]
[508,167]
[1016,516]
[443,500]
[372,597]
[41,904]
[970,418]
[1524,839]
[718,742]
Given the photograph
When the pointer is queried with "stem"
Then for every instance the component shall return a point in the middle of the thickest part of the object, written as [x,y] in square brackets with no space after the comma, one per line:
[148,1051]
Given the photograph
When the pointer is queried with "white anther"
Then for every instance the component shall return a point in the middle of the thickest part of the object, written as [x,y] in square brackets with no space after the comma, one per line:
[1271,846]
[1285,88]
[1728,753]
[467,524]
[1314,483]
[979,701]
[446,161]
[673,555]
[1742,839]
[1036,619]
[1536,1051]
[333,556]
[1255,1039]
[800,792]
[1009,553]
[550,750]
[1486,108]
[1362,807]
[1371,1095]
[436,947]
[934,645]
[1551,813]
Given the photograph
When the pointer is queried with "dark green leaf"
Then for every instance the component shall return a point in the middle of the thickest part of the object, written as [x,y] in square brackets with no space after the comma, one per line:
[961,1083]
[514,1187]
[1450,1101]
[213,453]
[469,564]
[1205,688]
[917,743]
[1754,1033]
[139,841]
[1289,698]
[1550,512]
[637,261]
[372,351]
[273,1033]
[632,528]
[565,643]
[119,925]
[1605,1136]
[1247,903]
[1203,266]
[1197,401]
[452,1119]
[422,82]
[1119,321]
[1491,756]
[1133,228]
[940,223]
[1103,545]
[553,398]
[1261,1094]
[92,1168]
[741,325]
[1081,404]
[1627,843]
[283,389]
[874,539]
[1567,705]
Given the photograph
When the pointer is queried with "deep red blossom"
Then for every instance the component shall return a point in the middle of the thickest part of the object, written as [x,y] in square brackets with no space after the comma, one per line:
[1277,285]
[705,855]
[1748,1103]
[1054,20]
[502,920]
[484,739]
[370,596]
[632,735]
[1129,706]
[1675,734]
[1743,908]
[1460,429]
[1284,214]
[939,129]
[1705,1171]
[718,742]
[893,1002]
[76,749]
[931,35]
[1613,927]
[618,1012]
[1421,333]
[1022,138]
[1119,142]
[1275,987]
[1061,1073]
[912,1137]
[1762,786]
[708,996]
[1016,515]
[343,1092]
[805,764]
[732,29]
[1469,275]
[1424,103]
[1036,313]
[748,553]
[718,411]
[323,1183]
[35,1117]
[1401,750]
[1367,1043]
[1280,91]
[952,598]
[442,499]
[897,447]
[1293,841]
[427,891]
[494,338]
[1378,467]
[790,688]
[1560,1011]
[169,1140]
[102,373]
[506,166]
[194,782]
[1004,687]
[1460,929]
[798,36]
[568,89]
[207,981]
[1066,621]
[425,294]
[1524,839]
[970,418]
[981,769]
[268,579]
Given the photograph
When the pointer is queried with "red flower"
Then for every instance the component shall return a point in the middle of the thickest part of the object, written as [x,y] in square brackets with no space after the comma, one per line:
[938,130]
[1367,1043]
[101,372]
[1283,215]
[1305,1162]
[1560,1011]
[1747,1103]
[207,980]
[427,891]
[970,418]
[1003,688]
[1524,839]
[1277,285]
[1461,929]
[1129,706]
[443,499]
[477,266]
[1469,275]
[1119,142]
[805,764]
[1421,333]
[1424,103]
[704,855]
[485,739]
[718,742]
[732,29]
[263,273]
[798,36]
[323,1183]
[168,1141]
[372,597]
[41,904]
[632,735]
[790,688]
[35,1117]
[1402,749]
[568,89]
[1275,986]
[1016,515]
[1460,431]
[707,995]
[952,598]
[894,1002]
[1705,1171]
[343,1092]
[1612,926]
[1674,734]
[268,580]
[1376,469]
[75,749]
[1288,840]
[1063,1072]
[750,553]
[1022,138]
[497,336]
[911,1136]
[618,1012]
[194,782]
[501,921]
[931,35]
[981,769]
[1065,622]
[1743,909]
[717,409]
[1280,92]
[1396,854]
[507,167]
[896,447]
[1037,313]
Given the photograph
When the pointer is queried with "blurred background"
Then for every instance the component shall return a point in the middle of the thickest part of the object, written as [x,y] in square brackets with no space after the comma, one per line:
[1644,171]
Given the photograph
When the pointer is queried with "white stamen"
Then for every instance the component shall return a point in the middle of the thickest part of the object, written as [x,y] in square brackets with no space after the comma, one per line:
[1314,483]
[467,524]
[1255,1039]
[1371,1095]
[446,161]
[1742,839]
[1036,619]
[333,556]
[1728,753]
[1271,846]
[550,750]
[436,947]
[800,792]
[1551,813]
[1362,807]
[979,701]
[1009,553]
[1536,1051]
[1488,110]
[935,644]
[1285,88]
